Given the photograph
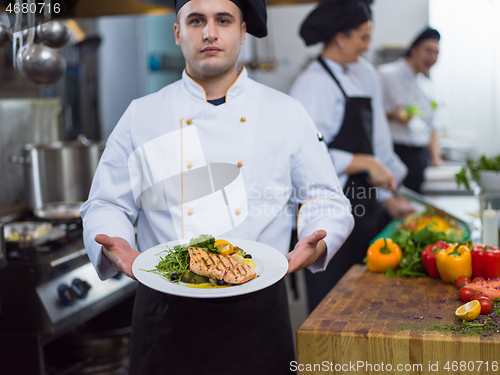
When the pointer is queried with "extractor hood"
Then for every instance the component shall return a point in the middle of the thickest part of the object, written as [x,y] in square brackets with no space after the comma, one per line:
[96,8]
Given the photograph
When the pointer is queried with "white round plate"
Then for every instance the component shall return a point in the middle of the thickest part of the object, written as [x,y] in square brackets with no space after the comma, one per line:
[271,266]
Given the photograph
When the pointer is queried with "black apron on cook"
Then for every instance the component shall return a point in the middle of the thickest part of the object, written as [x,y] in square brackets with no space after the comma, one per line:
[248,334]
[355,136]
[416,159]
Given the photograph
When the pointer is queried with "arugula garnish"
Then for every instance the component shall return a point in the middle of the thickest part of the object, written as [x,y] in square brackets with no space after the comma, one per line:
[176,260]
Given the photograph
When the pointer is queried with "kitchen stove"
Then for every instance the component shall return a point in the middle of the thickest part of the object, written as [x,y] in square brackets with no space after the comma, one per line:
[45,292]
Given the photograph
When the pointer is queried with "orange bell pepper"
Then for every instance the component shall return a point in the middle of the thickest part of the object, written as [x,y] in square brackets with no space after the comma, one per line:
[382,255]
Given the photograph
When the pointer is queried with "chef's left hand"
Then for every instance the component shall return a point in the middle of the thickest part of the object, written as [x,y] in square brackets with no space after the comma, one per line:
[306,252]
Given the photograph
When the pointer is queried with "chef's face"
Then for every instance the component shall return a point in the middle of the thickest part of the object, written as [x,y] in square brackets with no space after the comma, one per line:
[425,55]
[356,41]
[210,34]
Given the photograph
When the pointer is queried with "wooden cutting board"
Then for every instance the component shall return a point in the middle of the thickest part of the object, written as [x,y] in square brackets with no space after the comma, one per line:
[361,319]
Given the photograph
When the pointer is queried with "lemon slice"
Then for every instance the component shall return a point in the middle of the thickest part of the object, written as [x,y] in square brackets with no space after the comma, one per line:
[224,247]
[250,262]
[238,258]
[469,311]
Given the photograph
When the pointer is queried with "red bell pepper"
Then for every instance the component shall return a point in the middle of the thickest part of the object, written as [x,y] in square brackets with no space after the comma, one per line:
[429,257]
[485,261]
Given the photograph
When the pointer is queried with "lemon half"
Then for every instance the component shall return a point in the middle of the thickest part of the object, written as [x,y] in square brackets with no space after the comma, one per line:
[469,311]
[250,262]
[225,248]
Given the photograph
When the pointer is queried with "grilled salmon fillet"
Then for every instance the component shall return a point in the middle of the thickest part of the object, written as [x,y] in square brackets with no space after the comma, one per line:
[219,267]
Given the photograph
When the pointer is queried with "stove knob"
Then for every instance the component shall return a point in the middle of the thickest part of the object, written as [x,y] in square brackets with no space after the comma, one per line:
[81,287]
[67,295]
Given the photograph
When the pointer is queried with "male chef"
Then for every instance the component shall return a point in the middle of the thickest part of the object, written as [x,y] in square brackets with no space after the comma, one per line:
[216,153]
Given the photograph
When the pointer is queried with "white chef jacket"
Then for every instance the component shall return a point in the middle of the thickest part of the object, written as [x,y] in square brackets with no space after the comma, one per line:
[178,167]
[401,86]
[325,103]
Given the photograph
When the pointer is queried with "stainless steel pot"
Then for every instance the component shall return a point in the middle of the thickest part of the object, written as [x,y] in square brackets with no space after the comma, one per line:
[59,171]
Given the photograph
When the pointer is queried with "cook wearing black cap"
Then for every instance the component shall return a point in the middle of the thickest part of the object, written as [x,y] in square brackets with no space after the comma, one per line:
[341,93]
[213,153]
[410,105]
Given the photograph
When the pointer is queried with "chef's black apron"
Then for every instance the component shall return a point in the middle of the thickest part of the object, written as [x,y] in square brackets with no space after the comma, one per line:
[416,159]
[248,334]
[354,136]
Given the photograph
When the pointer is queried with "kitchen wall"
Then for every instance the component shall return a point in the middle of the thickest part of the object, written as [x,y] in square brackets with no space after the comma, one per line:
[467,75]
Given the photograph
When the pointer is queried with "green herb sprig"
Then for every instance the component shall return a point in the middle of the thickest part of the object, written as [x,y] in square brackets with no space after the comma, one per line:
[205,241]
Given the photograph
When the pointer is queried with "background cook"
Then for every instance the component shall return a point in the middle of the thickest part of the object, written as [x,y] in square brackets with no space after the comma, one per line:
[341,93]
[410,105]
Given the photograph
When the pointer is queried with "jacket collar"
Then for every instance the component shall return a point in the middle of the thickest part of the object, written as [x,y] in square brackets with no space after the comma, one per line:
[198,92]
[335,67]
[408,69]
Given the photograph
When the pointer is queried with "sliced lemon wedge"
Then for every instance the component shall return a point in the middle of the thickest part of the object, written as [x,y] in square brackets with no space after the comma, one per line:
[238,258]
[469,311]
[250,262]
[224,247]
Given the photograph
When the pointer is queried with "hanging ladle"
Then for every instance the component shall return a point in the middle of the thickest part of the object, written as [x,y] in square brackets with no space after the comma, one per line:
[37,62]
[54,34]
[4,35]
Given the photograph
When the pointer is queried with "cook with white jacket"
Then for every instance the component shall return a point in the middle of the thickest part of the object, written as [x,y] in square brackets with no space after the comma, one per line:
[410,104]
[217,153]
[342,94]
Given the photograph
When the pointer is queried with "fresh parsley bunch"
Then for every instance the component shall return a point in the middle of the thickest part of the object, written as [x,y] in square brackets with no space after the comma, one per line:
[412,244]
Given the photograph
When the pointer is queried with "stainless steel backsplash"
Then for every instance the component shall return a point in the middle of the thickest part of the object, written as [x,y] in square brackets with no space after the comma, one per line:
[23,121]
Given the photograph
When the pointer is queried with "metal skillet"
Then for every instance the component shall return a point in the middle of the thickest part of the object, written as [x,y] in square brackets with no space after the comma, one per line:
[59,211]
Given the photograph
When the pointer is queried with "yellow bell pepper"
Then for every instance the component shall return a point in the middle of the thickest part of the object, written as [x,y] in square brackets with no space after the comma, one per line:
[382,255]
[453,262]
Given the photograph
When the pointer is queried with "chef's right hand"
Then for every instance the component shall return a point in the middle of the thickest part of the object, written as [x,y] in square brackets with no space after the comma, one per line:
[400,114]
[397,207]
[119,252]
[379,176]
